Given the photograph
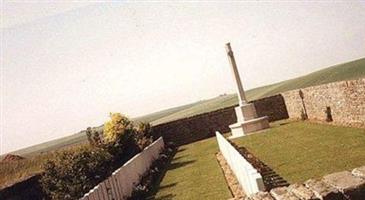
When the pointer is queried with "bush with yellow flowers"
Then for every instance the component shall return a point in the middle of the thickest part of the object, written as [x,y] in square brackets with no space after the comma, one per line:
[73,173]
[119,136]
[116,127]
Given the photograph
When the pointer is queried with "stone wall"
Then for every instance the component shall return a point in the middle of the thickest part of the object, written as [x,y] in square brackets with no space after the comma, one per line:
[337,186]
[274,107]
[346,100]
[191,129]
[196,128]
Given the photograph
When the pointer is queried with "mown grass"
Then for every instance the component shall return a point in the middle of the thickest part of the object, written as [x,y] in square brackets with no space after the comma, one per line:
[301,150]
[194,173]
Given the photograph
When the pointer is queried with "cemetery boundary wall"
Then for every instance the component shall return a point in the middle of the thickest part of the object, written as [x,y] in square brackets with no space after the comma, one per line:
[340,103]
[202,126]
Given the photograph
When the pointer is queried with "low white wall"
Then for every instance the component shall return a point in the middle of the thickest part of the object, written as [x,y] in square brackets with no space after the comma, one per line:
[121,183]
[247,176]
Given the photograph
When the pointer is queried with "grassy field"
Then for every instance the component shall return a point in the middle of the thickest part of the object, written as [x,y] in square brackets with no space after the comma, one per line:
[53,145]
[205,106]
[301,150]
[194,173]
[14,171]
[21,169]
[346,71]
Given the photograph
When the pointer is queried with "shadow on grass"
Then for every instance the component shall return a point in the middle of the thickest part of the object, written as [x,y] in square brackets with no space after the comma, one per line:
[284,123]
[270,177]
[181,150]
[278,124]
[170,166]
[179,157]
[176,165]
[167,186]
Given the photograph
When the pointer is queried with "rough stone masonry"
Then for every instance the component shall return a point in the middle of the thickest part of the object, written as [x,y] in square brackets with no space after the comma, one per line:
[343,185]
[344,101]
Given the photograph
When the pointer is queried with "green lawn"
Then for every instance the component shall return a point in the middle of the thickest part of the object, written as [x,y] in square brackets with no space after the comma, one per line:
[301,150]
[194,173]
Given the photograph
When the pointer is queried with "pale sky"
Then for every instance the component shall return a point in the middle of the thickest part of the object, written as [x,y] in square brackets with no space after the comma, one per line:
[65,65]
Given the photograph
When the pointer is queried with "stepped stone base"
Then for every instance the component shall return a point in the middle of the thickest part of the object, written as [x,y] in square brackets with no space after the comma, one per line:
[247,121]
[240,129]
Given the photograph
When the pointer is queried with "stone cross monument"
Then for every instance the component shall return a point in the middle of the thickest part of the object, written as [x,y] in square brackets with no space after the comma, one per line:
[247,120]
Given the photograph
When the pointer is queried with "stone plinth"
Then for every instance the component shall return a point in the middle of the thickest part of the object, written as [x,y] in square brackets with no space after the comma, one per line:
[245,112]
[240,129]
[247,121]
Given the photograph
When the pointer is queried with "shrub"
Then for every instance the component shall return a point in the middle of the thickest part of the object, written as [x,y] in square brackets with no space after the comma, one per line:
[73,173]
[94,137]
[120,138]
[123,139]
[144,135]
[117,127]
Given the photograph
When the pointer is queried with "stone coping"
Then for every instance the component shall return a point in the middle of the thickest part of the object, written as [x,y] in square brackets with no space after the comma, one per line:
[343,185]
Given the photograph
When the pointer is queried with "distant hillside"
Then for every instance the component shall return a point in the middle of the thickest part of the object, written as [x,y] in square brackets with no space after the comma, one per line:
[154,116]
[345,71]
[56,144]
[205,106]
